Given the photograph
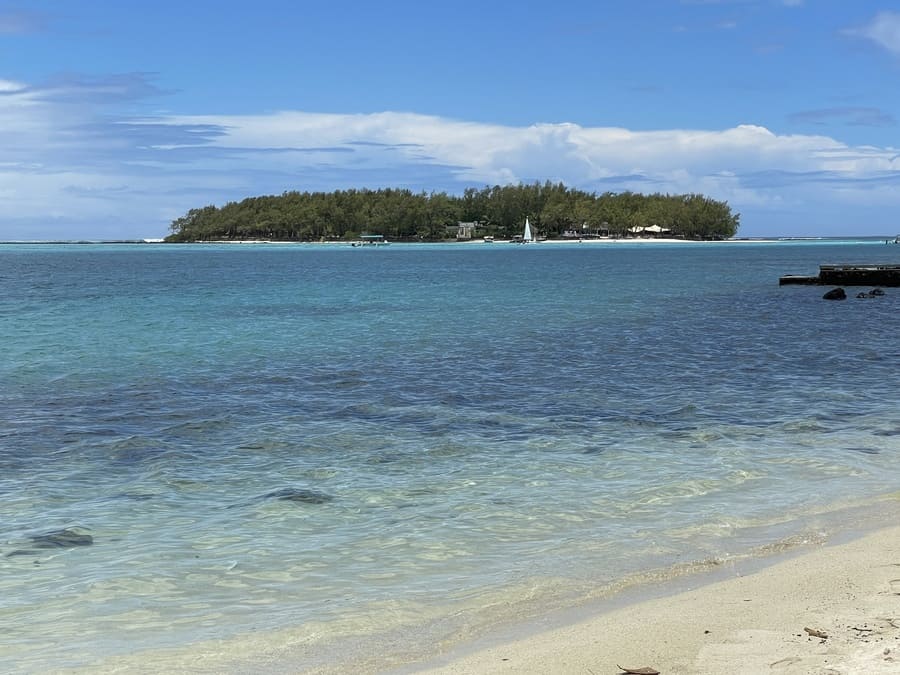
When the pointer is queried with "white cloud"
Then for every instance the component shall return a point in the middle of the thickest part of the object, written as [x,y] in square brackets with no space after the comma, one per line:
[478,152]
[64,164]
[883,30]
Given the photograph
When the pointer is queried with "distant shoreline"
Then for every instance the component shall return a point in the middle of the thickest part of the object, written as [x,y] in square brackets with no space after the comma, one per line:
[875,239]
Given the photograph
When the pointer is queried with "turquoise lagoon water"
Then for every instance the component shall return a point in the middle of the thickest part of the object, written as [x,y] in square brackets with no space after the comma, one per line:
[468,432]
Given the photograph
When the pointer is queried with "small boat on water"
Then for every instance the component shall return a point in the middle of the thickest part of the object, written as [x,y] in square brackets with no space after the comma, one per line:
[527,237]
[371,240]
[489,239]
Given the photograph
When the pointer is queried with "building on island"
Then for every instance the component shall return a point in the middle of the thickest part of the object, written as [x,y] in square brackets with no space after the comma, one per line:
[465,231]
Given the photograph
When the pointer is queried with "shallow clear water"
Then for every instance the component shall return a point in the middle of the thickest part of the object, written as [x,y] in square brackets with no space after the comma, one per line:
[457,423]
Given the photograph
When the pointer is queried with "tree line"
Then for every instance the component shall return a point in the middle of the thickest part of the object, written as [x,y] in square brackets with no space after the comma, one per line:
[554,210]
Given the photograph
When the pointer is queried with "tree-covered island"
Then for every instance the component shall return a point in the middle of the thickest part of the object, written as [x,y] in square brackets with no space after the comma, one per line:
[499,211]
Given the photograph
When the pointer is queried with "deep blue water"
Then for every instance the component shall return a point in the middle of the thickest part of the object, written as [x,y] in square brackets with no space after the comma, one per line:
[455,423]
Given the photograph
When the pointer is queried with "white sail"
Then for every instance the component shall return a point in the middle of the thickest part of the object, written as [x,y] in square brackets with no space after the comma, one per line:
[527,236]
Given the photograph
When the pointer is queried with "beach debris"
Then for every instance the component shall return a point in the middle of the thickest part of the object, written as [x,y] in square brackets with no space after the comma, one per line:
[646,670]
[835,294]
[816,633]
[783,663]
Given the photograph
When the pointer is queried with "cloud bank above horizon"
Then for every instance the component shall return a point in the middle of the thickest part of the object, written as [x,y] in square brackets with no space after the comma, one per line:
[81,156]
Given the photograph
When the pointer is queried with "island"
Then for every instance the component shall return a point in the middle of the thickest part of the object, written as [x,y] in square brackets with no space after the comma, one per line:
[555,212]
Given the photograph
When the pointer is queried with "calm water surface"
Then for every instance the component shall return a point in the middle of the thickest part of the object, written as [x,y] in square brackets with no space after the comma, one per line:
[347,442]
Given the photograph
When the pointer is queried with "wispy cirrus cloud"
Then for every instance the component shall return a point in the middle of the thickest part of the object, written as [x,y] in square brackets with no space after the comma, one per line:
[116,88]
[853,116]
[78,88]
[74,162]
[14,22]
[787,3]
[883,30]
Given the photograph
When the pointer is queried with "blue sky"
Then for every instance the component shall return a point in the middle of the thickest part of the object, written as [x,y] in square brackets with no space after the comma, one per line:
[117,117]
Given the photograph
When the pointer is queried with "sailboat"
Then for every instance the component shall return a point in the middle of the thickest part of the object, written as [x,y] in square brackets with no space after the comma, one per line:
[528,236]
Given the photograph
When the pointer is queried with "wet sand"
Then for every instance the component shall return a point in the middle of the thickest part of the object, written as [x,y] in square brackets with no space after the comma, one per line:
[747,624]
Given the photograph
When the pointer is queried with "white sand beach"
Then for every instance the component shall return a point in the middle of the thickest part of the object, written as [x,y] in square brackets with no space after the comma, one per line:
[628,240]
[766,621]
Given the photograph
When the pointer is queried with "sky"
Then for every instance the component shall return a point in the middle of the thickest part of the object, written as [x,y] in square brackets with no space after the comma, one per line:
[118,117]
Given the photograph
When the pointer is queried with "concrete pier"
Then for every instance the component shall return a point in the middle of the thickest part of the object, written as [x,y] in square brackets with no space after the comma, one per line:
[849,275]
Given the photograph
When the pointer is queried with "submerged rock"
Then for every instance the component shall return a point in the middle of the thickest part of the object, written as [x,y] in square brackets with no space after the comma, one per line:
[835,294]
[297,495]
[301,495]
[65,538]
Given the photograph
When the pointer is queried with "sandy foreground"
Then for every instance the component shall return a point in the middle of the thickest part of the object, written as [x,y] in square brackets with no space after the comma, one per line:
[748,624]
[742,622]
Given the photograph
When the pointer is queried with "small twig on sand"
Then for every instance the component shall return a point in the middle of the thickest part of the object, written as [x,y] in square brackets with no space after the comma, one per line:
[816,633]
[638,671]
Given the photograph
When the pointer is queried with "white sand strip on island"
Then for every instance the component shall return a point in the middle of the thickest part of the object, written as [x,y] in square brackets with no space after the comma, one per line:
[746,625]
[623,240]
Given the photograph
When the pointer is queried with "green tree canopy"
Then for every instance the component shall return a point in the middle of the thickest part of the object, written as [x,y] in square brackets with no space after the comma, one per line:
[400,214]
